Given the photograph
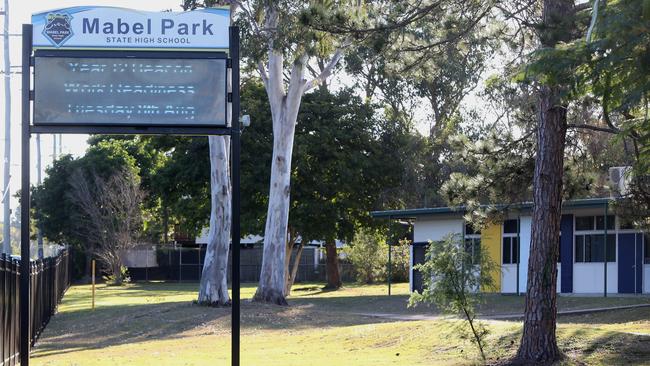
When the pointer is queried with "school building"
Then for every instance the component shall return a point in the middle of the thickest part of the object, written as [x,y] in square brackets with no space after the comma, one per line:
[586,265]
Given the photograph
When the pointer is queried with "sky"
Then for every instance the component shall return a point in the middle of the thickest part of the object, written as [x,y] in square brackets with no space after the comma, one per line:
[20,13]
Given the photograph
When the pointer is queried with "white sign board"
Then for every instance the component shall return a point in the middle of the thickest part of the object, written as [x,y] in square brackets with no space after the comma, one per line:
[99,27]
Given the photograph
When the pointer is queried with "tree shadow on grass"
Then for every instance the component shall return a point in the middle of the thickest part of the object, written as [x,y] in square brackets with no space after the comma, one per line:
[114,325]
[607,347]
[580,344]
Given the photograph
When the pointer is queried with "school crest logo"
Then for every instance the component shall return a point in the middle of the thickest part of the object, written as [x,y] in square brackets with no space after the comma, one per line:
[58,28]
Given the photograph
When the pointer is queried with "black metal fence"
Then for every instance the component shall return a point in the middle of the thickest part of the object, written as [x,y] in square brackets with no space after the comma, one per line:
[186,265]
[49,279]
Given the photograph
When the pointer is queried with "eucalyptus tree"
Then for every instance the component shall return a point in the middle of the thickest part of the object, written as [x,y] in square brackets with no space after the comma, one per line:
[280,43]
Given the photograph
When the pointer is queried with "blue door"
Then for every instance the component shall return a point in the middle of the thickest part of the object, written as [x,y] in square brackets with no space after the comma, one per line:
[629,264]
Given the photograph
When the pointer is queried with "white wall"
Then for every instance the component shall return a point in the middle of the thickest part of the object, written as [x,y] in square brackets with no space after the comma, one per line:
[425,230]
[524,238]
[559,278]
[588,278]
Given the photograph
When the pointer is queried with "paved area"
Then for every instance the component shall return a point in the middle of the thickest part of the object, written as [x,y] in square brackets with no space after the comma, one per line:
[407,317]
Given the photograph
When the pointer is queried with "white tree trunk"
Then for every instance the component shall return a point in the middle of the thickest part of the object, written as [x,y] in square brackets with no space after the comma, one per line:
[284,112]
[214,279]
[213,289]
[272,278]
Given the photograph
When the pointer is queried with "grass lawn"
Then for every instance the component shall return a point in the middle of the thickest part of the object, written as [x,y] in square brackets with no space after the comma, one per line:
[157,324]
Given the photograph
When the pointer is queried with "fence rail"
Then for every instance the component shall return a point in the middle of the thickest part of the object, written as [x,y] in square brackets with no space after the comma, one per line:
[186,265]
[49,279]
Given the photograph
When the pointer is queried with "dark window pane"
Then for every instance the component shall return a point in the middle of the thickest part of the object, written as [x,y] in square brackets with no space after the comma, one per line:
[477,250]
[626,224]
[559,249]
[580,248]
[600,222]
[510,226]
[584,222]
[646,240]
[611,248]
[506,251]
[597,248]
[587,248]
[469,230]
[515,250]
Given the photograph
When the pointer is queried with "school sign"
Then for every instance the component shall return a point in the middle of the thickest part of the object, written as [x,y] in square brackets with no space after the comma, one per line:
[106,70]
[98,27]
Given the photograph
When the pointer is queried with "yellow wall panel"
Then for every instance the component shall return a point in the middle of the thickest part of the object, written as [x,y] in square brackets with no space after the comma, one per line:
[491,242]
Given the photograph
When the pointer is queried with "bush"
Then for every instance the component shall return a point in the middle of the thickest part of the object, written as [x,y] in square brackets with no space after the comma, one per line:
[453,280]
[399,265]
[368,254]
[113,280]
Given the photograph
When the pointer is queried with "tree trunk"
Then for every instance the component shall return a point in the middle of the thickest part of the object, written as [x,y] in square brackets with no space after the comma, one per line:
[272,278]
[116,267]
[291,243]
[214,278]
[284,112]
[333,276]
[538,342]
[294,270]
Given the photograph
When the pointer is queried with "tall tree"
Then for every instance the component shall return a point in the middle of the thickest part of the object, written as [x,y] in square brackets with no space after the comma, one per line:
[281,30]
[213,289]
[538,342]
[108,215]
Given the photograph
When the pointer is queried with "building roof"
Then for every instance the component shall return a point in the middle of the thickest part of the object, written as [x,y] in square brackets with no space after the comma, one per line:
[460,210]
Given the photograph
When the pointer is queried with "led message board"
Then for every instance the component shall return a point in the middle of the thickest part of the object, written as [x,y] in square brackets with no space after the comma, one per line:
[129,91]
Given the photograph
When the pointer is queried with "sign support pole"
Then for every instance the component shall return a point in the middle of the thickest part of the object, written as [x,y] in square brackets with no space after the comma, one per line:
[25,327]
[235,230]
[233,131]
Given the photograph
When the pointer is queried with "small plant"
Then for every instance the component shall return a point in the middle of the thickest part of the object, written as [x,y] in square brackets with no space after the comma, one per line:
[453,280]
[124,277]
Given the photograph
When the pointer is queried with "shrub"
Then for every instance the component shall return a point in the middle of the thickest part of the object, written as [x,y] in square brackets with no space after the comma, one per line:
[368,254]
[453,280]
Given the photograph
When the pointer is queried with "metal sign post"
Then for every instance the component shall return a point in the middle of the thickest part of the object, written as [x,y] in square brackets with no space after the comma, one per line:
[53,118]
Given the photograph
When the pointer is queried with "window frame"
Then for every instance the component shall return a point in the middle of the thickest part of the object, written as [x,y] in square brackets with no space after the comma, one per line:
[584,234]
[512,238]
[475,238]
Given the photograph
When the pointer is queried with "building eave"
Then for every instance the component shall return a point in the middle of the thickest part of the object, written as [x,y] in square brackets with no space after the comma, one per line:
[461,210]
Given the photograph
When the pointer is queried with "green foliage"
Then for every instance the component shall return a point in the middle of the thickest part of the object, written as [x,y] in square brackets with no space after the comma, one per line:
[340,159]
[113,280]
[454,280]
[400,261]
[368,253]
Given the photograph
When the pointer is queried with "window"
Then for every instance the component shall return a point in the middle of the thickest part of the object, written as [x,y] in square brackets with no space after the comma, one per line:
[591,248]
[469,230]
[626,224]
[584,223]
[590,239]
[588,223]
[510,242]
[473,242]
[510,227]
[510,250]
[600,222]
[646,248]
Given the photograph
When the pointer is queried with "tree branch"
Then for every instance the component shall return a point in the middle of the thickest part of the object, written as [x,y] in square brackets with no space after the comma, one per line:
[327,71]
[592,128]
